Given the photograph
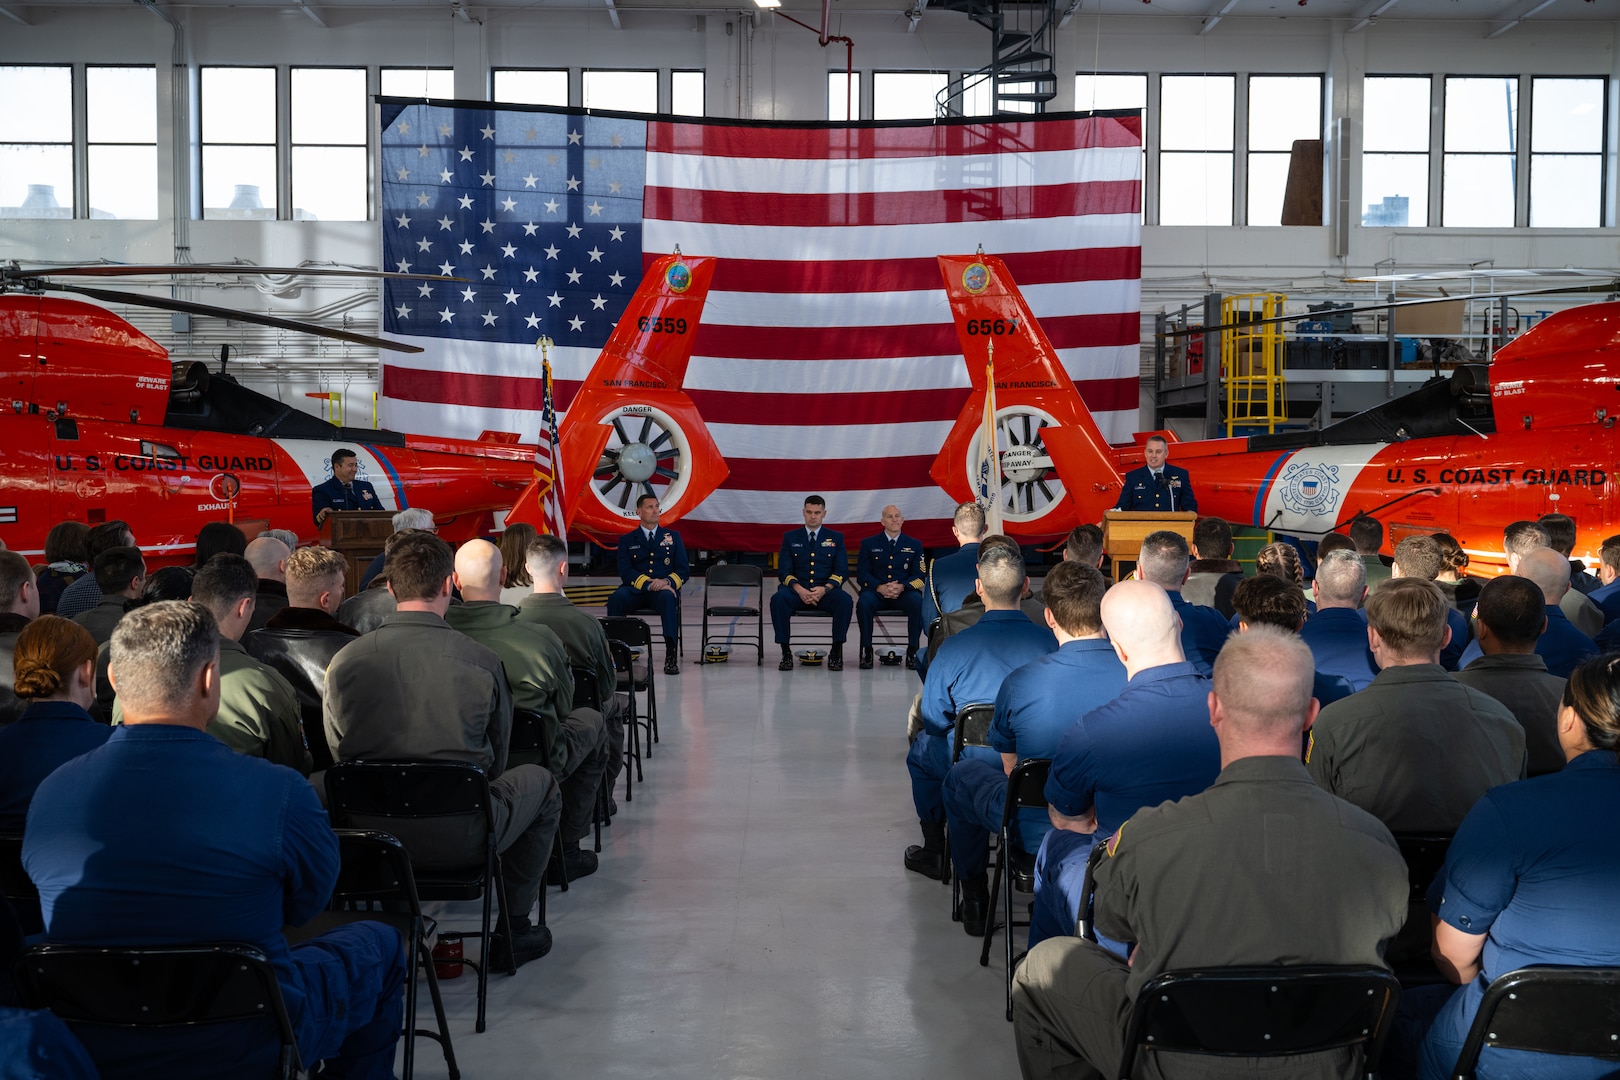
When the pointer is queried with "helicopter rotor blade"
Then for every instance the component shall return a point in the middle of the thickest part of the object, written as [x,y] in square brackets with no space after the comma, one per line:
[166,303]
[189,269]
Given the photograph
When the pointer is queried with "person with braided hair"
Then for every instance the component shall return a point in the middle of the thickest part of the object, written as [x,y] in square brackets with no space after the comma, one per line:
[1531,879]
[55,664]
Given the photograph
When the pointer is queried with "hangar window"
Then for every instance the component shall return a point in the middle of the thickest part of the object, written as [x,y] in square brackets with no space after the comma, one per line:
[973,97]
[1481,152]
[1196,118]
[238,109]
[329,110]
[907,95]
[1395,150]
[121,131]
[686,93]
[36,142]
[1566,153]
[418,82]
[1283,109]
[522,86]
[621,91]
[843,95]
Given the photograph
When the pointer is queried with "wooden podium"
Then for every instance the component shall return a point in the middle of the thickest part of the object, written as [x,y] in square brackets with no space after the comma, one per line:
[359,536]
[1124,531]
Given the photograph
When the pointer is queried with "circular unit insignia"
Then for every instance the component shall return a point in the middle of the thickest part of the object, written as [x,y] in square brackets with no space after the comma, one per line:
[1309,489]
[976,278]
[678,277]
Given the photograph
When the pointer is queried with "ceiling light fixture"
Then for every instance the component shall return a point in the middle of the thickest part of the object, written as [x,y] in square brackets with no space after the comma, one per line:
[768,3]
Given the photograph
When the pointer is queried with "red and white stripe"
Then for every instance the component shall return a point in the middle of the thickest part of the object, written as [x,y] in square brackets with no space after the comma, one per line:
[827,360]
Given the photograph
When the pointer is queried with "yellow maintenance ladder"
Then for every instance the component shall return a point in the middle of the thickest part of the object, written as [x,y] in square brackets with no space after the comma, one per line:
[1252,362]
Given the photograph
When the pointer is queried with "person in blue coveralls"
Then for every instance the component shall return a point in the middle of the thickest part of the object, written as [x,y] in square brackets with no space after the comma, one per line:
[968,670]
[1531,878]
[653,567]
[1036,705]
[1561,645]
[1151,743]
[890,571]
[343,491]
[1337,632]
[1165,560]
[811,568]
[166,836]
[950,577]
[1157,485]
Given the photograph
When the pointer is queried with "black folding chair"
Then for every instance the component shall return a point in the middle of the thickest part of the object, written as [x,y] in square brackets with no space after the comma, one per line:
[624,665]
[158,987]
[735,576]
[1263,1012]
[375,882]
[1573,1011]
[1026,786]
[642,678]
[17,886]
[971,728]
[587,696]
[399,795]
[528,737]
[1409,955]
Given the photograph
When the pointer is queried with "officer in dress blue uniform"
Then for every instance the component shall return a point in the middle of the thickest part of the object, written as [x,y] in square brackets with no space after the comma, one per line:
[811,568]
[1157,485]
[652,565]
[1164,560]
[343,491]
[950,577]
[889,568]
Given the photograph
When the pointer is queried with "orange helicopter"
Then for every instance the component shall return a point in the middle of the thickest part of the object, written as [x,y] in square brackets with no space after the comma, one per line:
[631,429]
[1531,433]
[101,426]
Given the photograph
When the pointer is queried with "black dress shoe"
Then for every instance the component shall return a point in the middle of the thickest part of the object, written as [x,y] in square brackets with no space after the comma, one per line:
[835,659]
[672,666]
[866,657]
[787,662]
[528,943]
[930,864]
[973,915]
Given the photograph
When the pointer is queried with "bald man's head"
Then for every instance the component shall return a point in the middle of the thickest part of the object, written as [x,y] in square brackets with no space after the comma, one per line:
[478,570]
[1142,624]
[1548,569]
[268,557]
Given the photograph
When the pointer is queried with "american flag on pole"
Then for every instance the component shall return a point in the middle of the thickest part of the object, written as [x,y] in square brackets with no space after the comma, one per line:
[548,466]
[827,361]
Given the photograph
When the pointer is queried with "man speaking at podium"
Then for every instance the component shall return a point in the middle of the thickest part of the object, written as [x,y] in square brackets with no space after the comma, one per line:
[1157,485]
[343,491]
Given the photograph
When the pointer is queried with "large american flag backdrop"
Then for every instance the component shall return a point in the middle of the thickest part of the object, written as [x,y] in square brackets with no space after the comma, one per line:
[827,361]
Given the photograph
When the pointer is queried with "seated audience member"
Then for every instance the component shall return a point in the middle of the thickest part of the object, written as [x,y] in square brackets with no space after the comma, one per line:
[268,557]
[1461,590]
[19,605]
[1164,560]
[120,576]
[1531,879]
[1607,594]
[1084,546]
[950,577]
[1561,534]
[366,610]
[1333,542]
[1034,707]
[537,673]
[411,519]
[258,712]
[968,670]
[1519,539]
[1511,616]
[972,610]
[56,671]
[84,594]
[67,559]
[167,583]
[581,635]
[414,688]
[1561,645]
[1281,560]
[1263,868]
[1367,533]
[514,545]
[1420,557]
[1151,743]
[1268,600]
[1213,574]
[286,536]
[1337,633]
[301,639]
[889,569]
[162,836]
[217,538]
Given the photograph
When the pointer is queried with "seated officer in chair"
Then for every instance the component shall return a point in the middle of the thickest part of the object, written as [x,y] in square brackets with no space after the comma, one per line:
[890,571]
[652,566]
[811,569]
